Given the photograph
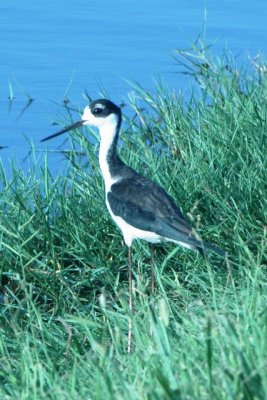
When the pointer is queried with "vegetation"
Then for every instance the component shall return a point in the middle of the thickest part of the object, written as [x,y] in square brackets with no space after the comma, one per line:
[64,295]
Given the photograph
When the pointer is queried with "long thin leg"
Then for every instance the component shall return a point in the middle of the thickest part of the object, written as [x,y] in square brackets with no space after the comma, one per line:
[130,298]
[152,251]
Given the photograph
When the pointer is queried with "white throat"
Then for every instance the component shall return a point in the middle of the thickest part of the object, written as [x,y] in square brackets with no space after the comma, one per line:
[107,133]
[107,127]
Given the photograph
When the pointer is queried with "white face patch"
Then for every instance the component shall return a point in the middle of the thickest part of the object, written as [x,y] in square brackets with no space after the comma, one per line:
[88,117]
[108,122]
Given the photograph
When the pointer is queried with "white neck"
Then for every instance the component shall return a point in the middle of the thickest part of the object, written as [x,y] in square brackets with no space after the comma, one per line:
[107,134]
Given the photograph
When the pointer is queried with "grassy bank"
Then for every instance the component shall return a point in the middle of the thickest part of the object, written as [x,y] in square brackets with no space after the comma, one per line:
[64,300]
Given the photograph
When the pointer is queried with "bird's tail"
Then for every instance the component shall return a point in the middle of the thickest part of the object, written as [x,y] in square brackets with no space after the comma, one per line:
[203,246]
[174,235]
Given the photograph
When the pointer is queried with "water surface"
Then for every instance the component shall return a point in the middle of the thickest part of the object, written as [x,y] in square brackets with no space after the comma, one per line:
[52,50]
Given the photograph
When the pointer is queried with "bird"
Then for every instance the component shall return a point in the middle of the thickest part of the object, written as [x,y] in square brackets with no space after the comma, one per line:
[141,208]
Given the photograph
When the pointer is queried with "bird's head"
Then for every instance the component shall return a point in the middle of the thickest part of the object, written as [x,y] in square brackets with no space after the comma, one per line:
[102,114]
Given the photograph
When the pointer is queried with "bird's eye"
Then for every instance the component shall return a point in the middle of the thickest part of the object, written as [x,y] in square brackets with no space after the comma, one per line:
[97,110]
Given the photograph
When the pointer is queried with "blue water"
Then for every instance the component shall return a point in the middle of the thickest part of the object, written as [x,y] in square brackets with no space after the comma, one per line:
[50,50]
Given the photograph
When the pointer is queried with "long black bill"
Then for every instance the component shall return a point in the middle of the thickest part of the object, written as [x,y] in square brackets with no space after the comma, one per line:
[68,128]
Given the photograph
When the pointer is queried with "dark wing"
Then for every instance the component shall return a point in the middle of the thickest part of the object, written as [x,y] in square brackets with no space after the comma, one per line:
[146,206]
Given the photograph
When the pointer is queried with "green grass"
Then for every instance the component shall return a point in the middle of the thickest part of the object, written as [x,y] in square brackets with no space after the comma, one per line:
[64,318]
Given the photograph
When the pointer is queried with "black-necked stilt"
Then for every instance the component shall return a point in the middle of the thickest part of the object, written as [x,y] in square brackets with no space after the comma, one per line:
[140,207]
